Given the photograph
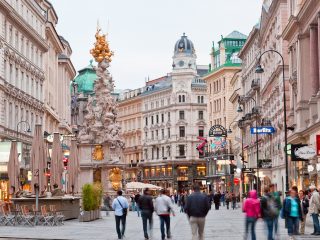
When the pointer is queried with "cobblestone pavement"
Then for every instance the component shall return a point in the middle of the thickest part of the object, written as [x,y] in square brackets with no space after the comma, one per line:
[221,225]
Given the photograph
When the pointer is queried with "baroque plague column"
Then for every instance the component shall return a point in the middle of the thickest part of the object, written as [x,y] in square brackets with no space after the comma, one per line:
[99,138]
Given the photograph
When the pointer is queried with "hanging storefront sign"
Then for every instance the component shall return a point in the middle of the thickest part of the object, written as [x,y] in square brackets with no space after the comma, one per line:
[265,163]
[236,181]
[302,152]
[262,130]
[217,131]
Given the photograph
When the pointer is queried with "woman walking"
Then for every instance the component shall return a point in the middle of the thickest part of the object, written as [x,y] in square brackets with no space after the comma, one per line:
[252,209]
[304,201]
[292,213]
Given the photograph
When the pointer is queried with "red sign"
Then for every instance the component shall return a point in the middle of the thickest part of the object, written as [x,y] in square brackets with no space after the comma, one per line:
[318,144]
[236,181]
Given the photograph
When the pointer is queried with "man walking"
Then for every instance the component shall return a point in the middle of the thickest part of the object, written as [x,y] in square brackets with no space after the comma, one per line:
[268,211]
[163,207]
[136,199]
[314,206]
[197,208]
[146,206]
[276,197]
[120,206]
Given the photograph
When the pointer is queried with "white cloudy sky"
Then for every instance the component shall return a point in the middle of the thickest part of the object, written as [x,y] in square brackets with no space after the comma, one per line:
[142,33]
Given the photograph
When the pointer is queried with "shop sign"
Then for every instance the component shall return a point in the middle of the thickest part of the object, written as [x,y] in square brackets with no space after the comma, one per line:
[217,131]
[182,178]
[318,144]
[262,130]
[236,181]
[302,152]
[265,163]
[50,138]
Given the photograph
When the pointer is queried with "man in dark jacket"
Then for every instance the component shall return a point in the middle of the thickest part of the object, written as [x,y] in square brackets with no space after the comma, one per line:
[197,208]
[216,200]
[146,205]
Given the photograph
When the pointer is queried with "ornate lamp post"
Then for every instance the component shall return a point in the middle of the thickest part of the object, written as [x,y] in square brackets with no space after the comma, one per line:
[257,142]
[259,69]
[28,129]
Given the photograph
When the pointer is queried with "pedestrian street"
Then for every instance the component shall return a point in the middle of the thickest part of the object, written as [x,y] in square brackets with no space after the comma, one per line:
[221,224]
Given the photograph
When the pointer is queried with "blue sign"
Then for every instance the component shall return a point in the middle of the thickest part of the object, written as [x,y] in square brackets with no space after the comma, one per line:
[262,130]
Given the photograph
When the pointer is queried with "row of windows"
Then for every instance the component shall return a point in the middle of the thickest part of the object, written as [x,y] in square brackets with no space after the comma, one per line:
[23,81]
[157,104]
[131,124]
[155,152]
[216,85]
[130,110]
[23,45]
[155,134]
[14,114]
[156,119]
[215,106]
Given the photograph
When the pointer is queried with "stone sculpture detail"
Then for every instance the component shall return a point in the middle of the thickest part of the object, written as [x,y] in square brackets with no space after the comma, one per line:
[100,126]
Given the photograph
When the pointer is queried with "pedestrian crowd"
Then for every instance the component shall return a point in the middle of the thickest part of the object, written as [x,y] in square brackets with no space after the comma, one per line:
[294,209]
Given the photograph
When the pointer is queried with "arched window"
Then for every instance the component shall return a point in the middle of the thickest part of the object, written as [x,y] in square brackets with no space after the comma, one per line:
[198,99]
[202,101]
[183,98]
[179,98]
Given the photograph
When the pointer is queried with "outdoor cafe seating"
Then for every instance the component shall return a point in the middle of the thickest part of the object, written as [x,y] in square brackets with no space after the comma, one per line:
[16,215]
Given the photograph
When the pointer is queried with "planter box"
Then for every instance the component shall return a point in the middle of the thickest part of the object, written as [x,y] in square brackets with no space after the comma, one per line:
[87,216]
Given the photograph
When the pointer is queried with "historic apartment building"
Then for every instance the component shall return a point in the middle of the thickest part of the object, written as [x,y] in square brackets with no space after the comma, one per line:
[262,97]
[225,65]
[174,115]
[26,51]
[302,34]
[130,120]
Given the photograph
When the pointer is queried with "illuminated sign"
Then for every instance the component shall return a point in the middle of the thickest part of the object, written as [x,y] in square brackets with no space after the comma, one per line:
[262,130]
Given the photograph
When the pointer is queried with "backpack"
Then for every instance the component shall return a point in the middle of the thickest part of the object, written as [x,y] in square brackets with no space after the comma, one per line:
[272,207]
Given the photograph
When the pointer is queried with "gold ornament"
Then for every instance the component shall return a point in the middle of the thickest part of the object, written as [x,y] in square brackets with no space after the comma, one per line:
[101,49]
[115,178]
[98,154]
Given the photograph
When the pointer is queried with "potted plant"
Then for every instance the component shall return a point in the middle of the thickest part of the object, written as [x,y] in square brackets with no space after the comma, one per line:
[87,203]
[97,196]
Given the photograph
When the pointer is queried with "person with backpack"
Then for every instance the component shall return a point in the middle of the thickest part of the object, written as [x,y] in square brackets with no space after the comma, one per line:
[163,207]
[251,207]
[276,197]
[269,211]
[146,205]
[120,206]
[292,212]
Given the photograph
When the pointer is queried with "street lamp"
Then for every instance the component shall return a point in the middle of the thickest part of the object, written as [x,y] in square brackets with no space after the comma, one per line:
[257,140]
[28,129]
[260,70]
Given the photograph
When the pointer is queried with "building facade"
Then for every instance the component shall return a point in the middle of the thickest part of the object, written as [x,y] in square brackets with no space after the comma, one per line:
[262,98]
[225,66]
[24,53]
[130,120]
[173,116]
[302,33]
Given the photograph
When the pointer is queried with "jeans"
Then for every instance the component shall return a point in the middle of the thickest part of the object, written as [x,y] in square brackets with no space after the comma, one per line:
[315,219]
[251,221]
[303,224]
[146,215]
[234,205]
[123,221]
[293,225]
[165,219]
[227,202]
[216,206]
[138,210]
[275,224]
[269,223]
[197,227]
[133,206]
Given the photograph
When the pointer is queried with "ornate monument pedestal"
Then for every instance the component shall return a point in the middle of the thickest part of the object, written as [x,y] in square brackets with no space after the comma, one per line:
[100,145]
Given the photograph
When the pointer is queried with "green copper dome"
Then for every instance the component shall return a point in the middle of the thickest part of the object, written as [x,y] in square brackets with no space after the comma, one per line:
[85,79]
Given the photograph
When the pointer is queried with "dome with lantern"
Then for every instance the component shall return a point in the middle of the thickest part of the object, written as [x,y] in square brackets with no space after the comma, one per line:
[184,45]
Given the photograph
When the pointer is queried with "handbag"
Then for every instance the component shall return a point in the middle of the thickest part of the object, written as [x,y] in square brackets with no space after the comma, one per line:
[124,210]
